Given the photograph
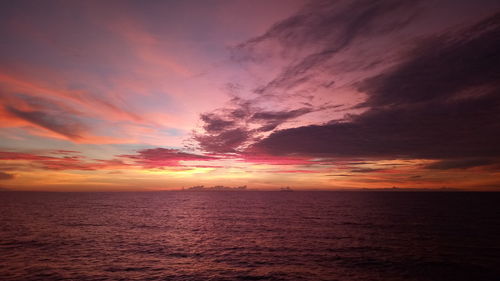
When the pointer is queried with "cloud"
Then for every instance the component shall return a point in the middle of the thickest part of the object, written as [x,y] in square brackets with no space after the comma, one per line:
[441,67]
[73,160]
[61,124]
[65,162]
[224,142]
[6,176]
[462,129]
[278,160]
[214,123]
[459,164]
[319,32]
[44,113]
[80,163]
[230,129]
[307,42]
[8,155]
[64,152]
[443,101]
[49,117]
[365,170]
[296,171]
[269,120]
[164,157]
[34,88]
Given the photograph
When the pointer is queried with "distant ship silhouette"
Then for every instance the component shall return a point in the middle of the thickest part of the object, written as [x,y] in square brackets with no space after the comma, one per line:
[286,189]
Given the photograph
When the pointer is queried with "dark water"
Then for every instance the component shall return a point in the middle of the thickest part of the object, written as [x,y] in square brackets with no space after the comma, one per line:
[250,236]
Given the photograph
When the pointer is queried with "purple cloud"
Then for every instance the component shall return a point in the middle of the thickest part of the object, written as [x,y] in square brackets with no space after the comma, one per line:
[443,101]
[164,157]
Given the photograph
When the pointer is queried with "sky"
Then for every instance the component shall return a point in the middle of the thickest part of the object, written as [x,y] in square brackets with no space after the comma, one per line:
[161,95]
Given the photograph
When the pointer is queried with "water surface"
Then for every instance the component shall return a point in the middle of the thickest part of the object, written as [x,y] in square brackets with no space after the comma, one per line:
[250,236]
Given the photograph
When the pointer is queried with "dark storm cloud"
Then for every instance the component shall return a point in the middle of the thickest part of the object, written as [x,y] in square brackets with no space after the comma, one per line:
[443,101]
[441,68]
[6,176]
[461,129]
[325,28]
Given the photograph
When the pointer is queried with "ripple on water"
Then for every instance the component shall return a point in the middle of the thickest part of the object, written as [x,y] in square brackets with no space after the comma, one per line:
[249,236]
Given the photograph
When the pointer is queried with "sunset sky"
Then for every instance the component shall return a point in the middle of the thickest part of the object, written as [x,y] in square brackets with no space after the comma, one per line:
[152,95]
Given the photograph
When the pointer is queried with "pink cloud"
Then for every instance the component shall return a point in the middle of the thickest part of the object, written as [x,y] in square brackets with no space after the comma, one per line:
[163,157]
[65,162]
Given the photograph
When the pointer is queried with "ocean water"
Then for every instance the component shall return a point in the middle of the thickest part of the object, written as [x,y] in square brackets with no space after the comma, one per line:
[250,236]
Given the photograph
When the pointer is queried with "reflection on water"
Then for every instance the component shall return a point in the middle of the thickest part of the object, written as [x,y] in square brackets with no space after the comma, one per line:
[250,236]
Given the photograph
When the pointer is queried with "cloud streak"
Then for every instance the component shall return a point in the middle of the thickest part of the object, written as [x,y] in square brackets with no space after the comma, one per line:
[319,32]
[6,176]
[164,157]
[57,162]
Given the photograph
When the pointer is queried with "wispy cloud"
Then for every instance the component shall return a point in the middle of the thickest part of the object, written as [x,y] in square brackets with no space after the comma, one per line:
[242,122]
[6,176]
[460,164]
[319,32]
[164,157]
[58,162]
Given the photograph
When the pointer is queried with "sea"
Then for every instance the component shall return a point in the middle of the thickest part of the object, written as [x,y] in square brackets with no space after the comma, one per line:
[250,235]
